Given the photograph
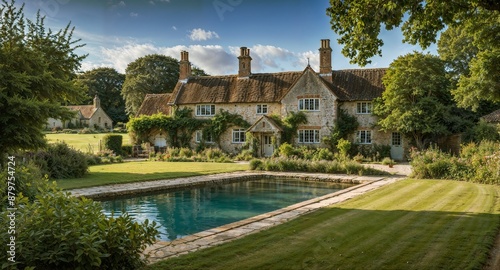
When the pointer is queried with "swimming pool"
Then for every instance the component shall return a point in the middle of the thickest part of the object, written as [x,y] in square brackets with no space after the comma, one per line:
[185,212]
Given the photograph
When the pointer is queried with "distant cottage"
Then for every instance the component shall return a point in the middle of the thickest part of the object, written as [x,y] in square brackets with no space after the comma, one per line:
[255,96]
[92,116]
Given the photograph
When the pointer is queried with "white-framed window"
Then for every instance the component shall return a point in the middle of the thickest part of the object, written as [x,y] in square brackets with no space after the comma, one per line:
[308,136]
[205,110]
[364,137]
[309,104]
[261,108]
[364,108]
[199,137]
[239,135]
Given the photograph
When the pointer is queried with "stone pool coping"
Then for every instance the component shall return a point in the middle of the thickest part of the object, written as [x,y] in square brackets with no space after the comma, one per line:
[163,250]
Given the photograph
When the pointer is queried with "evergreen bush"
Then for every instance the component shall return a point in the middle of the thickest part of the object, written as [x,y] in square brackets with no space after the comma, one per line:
[113,142]
[59,161]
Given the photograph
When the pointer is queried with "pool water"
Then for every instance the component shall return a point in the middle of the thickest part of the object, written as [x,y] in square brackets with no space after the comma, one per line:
[185,212]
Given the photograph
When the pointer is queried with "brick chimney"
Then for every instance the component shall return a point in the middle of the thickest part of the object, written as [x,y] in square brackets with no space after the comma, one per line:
[325,59]
[184,66]
[245,68]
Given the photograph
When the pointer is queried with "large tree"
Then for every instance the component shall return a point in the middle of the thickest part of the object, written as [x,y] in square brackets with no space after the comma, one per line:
[358,22]
[107,84]
[472,55]
[416,100]
[151,74]
[37,68]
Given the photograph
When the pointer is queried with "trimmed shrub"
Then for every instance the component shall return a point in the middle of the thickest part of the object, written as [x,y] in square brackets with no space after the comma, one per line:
[113,142]
[59,161]
[127,150]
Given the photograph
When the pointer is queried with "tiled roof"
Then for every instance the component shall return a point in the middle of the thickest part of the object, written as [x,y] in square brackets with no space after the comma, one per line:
[266,88]
[86,110]
[155,103]
[358,84]
[493,117]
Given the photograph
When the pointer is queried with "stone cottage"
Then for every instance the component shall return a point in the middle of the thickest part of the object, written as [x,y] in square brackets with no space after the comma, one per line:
[255,96]
[92,116]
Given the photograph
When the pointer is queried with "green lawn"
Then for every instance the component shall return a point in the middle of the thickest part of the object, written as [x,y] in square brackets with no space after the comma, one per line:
[82,142]
[412,224]
[126,172]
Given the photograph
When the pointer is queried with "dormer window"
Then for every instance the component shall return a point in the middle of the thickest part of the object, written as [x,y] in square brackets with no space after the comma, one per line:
[205,110]
[364,108]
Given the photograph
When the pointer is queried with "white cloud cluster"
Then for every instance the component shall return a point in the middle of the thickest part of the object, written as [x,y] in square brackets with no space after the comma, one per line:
[213,59]
[199,34]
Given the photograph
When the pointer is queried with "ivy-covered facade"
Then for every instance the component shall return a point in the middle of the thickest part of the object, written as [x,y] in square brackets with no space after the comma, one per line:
[261,101]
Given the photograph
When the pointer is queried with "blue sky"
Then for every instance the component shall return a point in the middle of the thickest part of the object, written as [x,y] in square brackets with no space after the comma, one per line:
[281,34]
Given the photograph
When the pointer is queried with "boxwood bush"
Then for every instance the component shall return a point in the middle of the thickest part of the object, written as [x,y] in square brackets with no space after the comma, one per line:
[113,142]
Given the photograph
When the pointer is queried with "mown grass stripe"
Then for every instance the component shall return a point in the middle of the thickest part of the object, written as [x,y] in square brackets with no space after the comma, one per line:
[401,234]
[370,236]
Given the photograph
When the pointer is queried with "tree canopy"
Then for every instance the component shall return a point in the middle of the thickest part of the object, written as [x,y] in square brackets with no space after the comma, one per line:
[151,74]
[472,55]
[37,68]
[359,22]
[107,84]
[416,101]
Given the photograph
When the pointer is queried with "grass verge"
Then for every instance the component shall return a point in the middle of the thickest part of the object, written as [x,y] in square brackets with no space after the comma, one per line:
[83,142]
[412,224]
[119,173]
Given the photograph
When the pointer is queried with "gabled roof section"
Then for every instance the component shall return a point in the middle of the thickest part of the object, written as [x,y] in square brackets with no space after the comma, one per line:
[155,103]
[265,124]
[85,110]
[493,117]
[358,84]
[258,88]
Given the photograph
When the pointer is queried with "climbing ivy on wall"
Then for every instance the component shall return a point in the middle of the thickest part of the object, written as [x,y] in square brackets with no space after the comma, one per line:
[345,126]
[181,126]
[221,122]
[290,124]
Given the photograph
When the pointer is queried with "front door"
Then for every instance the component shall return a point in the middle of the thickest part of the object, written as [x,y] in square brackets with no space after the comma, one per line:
[268,146]
[396,146]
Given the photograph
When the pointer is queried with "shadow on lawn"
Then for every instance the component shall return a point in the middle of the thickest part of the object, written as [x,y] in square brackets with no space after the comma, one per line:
[335,238]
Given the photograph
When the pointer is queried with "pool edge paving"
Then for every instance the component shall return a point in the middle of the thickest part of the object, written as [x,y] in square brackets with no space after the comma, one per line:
[163,250]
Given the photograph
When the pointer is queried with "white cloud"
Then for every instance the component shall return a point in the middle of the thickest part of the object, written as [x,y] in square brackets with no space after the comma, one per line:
[175,28]
[199,34]
[213,59]
[133,14]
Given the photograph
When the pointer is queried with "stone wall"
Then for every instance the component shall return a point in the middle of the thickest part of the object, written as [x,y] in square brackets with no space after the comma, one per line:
[311,86]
